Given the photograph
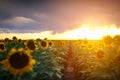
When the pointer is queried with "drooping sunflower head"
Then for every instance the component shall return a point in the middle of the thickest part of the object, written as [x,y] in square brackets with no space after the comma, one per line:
[100,54]
[108,40]
[44,44]
[19,62]
[2,47]
[30,44]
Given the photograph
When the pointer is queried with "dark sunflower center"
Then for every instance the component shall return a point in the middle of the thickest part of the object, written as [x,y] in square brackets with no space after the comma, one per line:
[19,40]
[43,44]
[31,45]
[2,46]
[18,61]
[50,44]
[61,44]
[100,54]
[14,38]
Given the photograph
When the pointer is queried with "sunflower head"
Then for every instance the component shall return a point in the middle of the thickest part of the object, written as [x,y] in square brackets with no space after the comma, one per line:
[100,54]
[14,38]
[116,39]
[2,47]
[89,47]
[19,40]
[62,43]
[108,40]
[44,44]
[19,62]
[50,43]
[30,44]
[6,39]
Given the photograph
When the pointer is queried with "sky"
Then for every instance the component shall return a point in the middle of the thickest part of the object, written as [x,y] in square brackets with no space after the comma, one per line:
[57,18]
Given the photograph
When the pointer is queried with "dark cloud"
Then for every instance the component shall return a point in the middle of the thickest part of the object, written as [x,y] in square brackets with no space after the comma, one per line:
[4,15]
[24,8]
[57,16]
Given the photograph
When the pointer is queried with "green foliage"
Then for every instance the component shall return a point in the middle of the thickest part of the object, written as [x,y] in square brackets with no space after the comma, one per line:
[50,62]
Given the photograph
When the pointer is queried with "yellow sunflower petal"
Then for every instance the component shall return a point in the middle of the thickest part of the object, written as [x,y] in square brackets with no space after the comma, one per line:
[19,62]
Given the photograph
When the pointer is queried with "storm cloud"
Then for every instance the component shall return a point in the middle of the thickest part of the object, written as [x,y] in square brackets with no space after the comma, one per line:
[23,16]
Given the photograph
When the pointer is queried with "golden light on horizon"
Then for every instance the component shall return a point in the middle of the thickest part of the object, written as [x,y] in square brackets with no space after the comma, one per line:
[89,32]
[83,31]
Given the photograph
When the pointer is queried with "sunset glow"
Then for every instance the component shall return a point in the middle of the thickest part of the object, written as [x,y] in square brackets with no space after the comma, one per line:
[83,31]
[59,39]
[90,32]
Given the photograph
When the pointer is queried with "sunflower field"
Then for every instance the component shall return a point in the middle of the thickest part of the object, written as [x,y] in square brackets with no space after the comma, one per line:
[44,59]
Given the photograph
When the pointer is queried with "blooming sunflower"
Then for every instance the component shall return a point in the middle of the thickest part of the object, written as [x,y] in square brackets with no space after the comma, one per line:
[19,62]
[6,39]
[89,47]
[2,47]
[62,43]
[116,39]
[50,43]
[100,54]
[44,44]
[19,40]
[14,38]
[30,44]
[108,41]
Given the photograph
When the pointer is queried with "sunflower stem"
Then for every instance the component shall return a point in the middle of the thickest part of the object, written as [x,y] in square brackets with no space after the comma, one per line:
[15,77]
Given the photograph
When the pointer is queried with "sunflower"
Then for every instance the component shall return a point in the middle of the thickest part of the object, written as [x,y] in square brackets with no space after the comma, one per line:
[2,47]
[100,54]
[14,38]
[19,61]
[50,43]
[6,39]
[19,40]
[116,39]
[108,41]
[89,47]
[62,43]
[44,44]
[30,44]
